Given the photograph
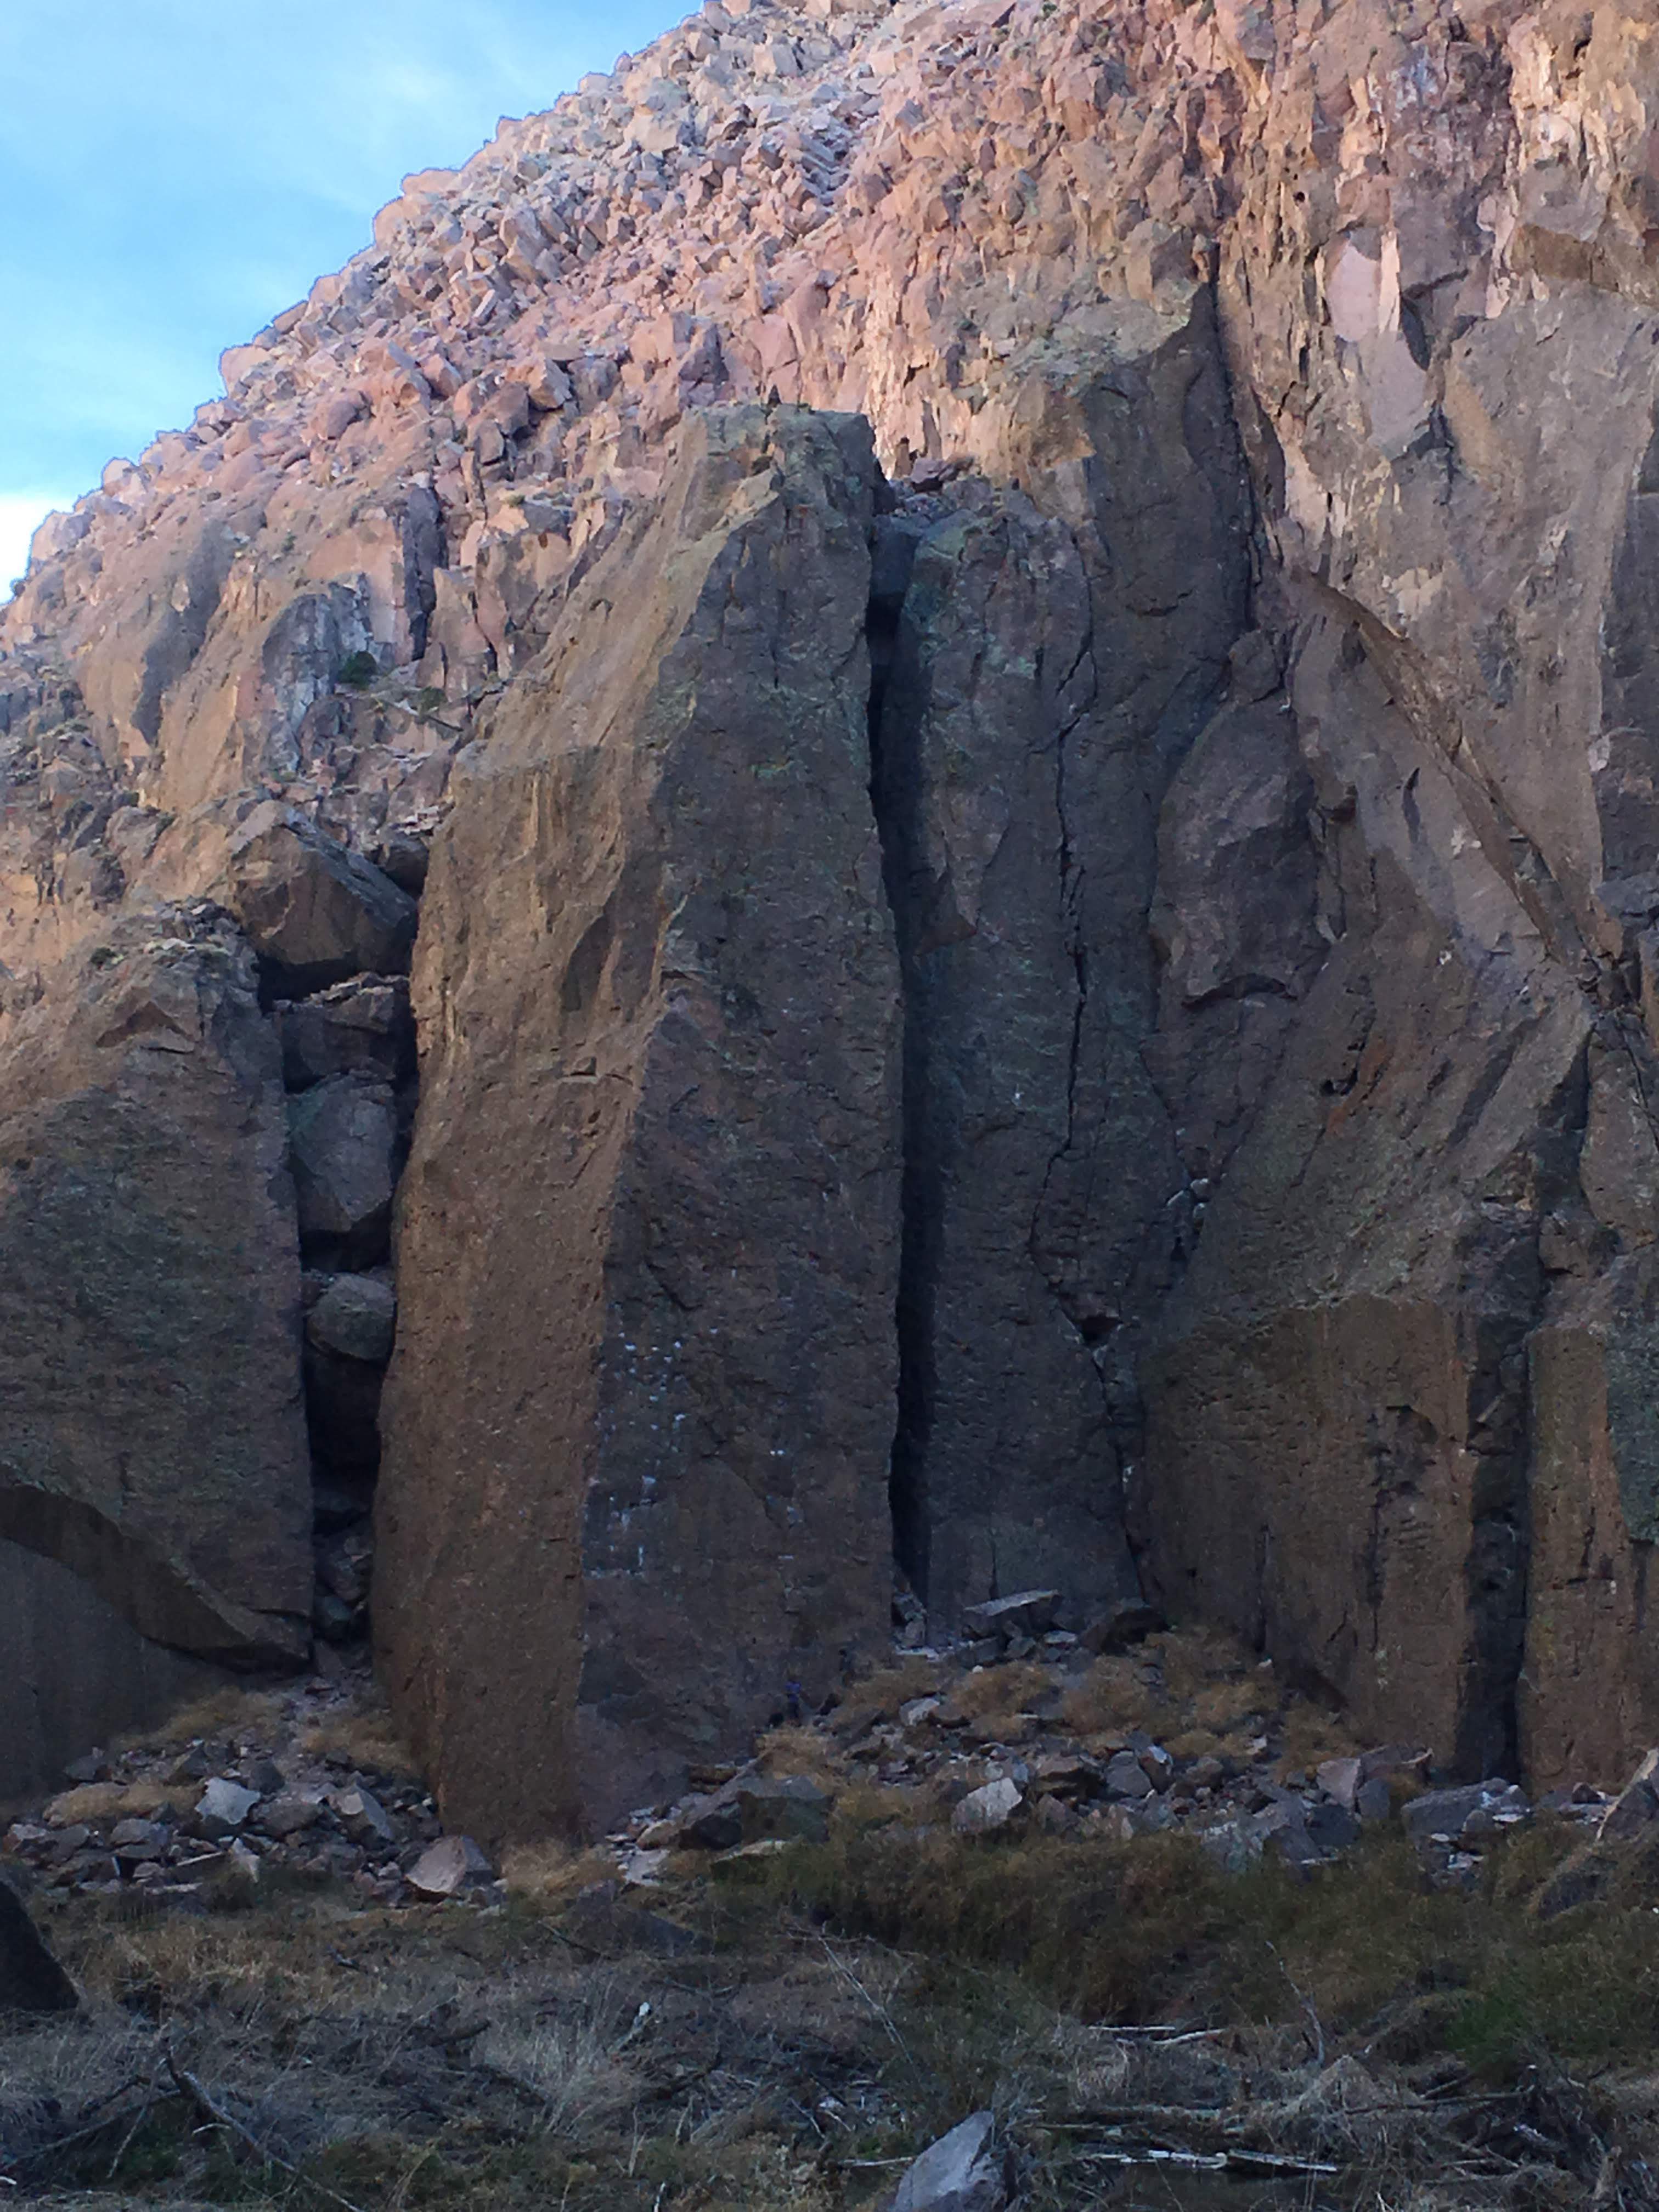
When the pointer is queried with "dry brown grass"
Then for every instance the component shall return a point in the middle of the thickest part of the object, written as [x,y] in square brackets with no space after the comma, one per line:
[879,1804]
[997,1695]
[552,1873]
[879,1695]
[503,2062]
[573,2062]
[365,1735]
[1194,1743]
[232,1713]
[805,1751]
[1311,1734]
[1224,1706]
[1194,1660]
[118,1800]
[1113,1696]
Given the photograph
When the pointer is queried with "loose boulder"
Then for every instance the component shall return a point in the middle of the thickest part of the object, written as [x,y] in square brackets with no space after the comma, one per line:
[963,2171]
[315,912]
[356,1316]
[362,1027]
[344,1151]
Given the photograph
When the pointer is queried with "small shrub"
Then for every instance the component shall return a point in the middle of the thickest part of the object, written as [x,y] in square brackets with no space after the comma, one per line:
[359,671]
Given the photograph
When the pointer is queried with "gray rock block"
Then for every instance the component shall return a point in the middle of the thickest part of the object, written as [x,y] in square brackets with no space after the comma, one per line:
[1028,1612]
[963,2171]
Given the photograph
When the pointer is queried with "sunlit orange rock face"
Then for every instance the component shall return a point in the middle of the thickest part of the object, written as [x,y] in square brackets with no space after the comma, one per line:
[908,769]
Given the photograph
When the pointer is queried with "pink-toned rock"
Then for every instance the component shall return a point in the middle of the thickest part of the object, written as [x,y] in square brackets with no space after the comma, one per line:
[448,1867]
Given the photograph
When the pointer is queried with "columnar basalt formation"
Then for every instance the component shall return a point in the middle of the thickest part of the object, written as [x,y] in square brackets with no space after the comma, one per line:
[1057,650]
[642,1403]
[153,1443]
[1079,1002]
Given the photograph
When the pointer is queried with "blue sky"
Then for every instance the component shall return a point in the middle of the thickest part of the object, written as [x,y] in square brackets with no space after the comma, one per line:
[173,174]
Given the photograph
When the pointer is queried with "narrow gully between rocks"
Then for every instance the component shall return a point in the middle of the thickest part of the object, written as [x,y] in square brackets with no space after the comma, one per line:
[894,786]
[350,1074]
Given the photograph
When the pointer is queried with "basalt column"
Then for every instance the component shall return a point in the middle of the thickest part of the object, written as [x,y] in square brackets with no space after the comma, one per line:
[639,1417]
[153,1500]
[1057,649]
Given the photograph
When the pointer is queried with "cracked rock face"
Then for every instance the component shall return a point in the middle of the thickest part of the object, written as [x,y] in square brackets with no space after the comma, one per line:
[1049,671]
[1074,1009]
[639,1418]
[152,1448]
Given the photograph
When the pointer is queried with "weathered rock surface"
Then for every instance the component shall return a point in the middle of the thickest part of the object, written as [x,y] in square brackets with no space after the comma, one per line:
[1049,669]
[961,2173]
[153,1441]
[639,1417]
[315,912]
[344,1148]
[1242,808]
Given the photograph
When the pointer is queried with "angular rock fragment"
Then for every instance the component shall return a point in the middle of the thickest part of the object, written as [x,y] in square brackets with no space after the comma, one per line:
[992,1806]
[285,1817]
[1450,1814]
[448,1867]
[1126,1777]
[315,912]
[344,1145]
[1637,1806]
[792,1807]
[1128,1622]
[1029,1613]
[712,1824]
[362,1027]
[1340,1779]
[961,2173]
[362,1816]
[223,1807]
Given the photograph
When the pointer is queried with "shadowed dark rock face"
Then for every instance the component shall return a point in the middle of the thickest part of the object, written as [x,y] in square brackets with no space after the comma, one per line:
[31,1979]
[1073,1009]
[1049,670]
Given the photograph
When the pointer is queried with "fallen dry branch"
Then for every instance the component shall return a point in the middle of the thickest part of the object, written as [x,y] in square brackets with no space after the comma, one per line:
[1264,2163]
[85,2131]
[189,2088]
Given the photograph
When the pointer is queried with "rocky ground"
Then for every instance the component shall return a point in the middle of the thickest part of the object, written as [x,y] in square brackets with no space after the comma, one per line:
[1017,1726]
[1140,1914]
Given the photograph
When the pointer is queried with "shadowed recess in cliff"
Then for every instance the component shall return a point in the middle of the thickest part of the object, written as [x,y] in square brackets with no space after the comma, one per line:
[895,784]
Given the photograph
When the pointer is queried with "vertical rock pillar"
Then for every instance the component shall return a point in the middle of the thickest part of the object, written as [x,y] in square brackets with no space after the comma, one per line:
[1058,649]
[638,1423]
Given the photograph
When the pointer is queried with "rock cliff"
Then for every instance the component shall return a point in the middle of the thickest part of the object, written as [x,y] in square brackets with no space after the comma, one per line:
[975,680]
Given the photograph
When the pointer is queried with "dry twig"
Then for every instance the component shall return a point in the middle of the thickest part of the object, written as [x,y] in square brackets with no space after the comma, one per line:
[191,2090]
